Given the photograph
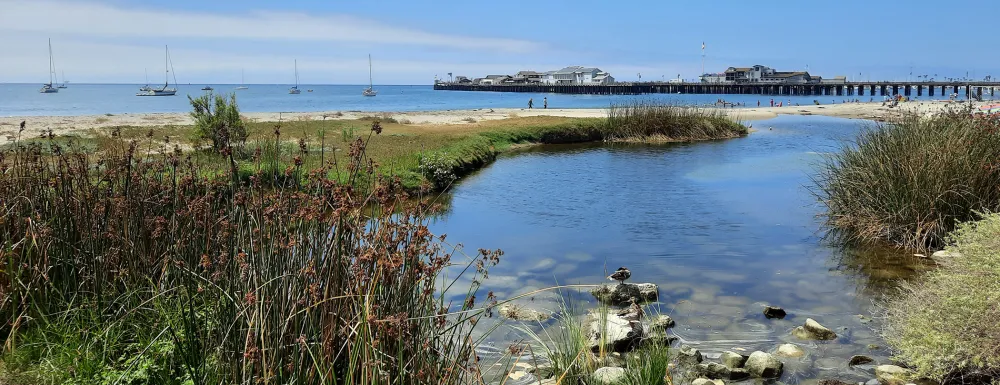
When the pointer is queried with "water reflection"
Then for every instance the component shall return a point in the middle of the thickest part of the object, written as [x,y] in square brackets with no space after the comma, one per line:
[722,227]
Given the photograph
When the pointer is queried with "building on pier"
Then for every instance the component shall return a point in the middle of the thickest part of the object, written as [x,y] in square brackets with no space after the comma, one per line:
[578,75]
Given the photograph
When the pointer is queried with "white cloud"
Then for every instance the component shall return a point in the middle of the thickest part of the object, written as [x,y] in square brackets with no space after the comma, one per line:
[102,20]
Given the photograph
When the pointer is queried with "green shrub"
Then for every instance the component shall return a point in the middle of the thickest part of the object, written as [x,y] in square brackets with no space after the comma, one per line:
[909,182]
[646,120]
[946,326]
[221,124]
[438,169]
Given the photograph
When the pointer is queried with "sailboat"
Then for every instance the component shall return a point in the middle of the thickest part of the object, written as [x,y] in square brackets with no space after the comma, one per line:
[370,91]
[243,85]
[145,87]
[48,88]
[63,85]
[295,90]
[162,91]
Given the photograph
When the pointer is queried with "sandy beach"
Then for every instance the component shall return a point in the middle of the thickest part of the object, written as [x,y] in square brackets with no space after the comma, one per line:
[82,124]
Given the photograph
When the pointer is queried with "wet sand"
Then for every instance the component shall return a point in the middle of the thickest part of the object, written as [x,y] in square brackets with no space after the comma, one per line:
[80,125]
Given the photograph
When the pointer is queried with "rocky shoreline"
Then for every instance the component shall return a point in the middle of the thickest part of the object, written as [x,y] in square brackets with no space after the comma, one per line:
[613,340]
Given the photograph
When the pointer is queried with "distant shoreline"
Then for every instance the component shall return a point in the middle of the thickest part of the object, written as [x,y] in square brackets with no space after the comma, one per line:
[70,124]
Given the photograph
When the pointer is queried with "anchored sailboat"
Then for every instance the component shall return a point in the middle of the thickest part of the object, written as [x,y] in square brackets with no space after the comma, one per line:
[162,91]
[370,91]
[145,87]
[295,90]
[243,85]
[63,85]
[48,88]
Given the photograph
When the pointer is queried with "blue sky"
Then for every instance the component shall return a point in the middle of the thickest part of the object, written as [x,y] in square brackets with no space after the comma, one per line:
[412,41]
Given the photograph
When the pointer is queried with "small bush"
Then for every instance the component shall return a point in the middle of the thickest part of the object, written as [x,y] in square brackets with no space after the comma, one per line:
[642,120]
[909,182]
[469,120]
[946,327]
[218,120]
[438,169]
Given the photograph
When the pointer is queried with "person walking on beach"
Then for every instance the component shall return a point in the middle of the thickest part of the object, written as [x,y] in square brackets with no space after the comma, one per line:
[545,103]
[531,103]
[758,102]
[772,102]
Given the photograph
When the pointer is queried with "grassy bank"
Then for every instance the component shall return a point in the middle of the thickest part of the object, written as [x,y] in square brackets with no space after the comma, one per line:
[422,155]
[131,268]
[946,326]
[909,182]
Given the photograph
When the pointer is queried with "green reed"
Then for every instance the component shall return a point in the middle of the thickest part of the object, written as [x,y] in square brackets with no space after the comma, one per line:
[650,120]
[911,181]
[138,267]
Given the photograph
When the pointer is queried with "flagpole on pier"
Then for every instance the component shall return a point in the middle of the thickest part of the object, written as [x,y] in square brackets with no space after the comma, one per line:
[702,58]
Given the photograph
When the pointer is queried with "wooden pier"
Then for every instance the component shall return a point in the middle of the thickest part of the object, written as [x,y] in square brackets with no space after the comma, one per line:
[843,89]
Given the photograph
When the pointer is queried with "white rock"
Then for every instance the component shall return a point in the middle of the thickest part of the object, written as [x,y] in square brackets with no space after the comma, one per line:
[892,375]
[764,365]
[705,381]
[790,350]
[521,313]
[517,375]
[945,254]
[608,376]
[812,330]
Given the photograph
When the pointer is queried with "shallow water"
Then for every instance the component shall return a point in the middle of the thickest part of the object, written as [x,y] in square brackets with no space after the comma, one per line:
[722,227]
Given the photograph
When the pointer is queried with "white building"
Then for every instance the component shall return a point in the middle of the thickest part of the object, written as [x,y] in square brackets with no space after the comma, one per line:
[495,79]
[577,75]
[713,78]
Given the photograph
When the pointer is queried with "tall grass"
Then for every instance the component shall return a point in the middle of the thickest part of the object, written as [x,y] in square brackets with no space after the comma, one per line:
[650,120]
[909,182]
[136,267]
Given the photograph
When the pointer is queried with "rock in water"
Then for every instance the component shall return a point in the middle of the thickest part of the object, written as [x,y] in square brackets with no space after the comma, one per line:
[733,360]
[790,350]
[892,375]
[661,323]
[812,330]
[860,360]
[738,374]
[608,376]
[944,254]
[619,294]
[774,312]
[518,375]
[689,355]
[521,313]
[618,335]
[764,365]
[712,370]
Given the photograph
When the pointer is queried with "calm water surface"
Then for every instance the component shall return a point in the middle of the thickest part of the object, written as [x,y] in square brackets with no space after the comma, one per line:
[722,227]
[96,99]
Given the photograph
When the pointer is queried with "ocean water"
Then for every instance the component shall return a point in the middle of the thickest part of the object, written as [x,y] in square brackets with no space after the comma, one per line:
[96,99]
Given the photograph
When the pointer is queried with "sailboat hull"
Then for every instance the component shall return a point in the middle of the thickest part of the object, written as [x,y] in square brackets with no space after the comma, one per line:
[294,91]
[166,92]
[242,88]
[47,89]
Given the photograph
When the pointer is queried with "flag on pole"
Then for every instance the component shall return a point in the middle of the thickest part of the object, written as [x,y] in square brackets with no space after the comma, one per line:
[702,46]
